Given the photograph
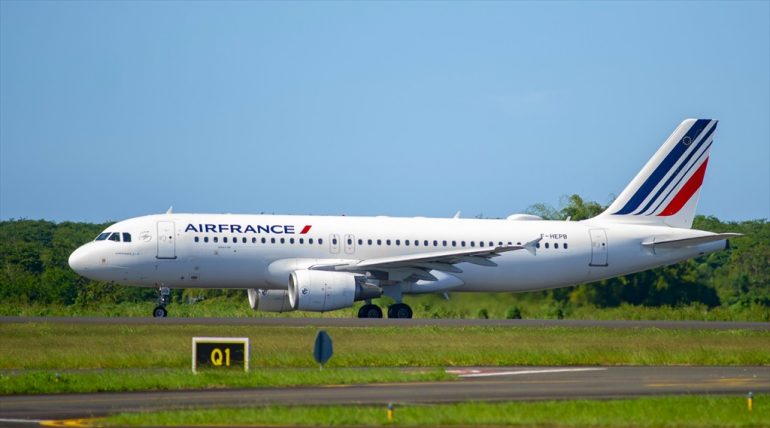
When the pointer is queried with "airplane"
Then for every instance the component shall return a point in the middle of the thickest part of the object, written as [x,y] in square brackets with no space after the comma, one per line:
[325,263]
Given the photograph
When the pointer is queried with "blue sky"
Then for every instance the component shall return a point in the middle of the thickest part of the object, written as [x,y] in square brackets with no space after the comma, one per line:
[110,110]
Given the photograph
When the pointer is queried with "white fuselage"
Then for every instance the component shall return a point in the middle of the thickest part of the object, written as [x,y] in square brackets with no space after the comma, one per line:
[259,251]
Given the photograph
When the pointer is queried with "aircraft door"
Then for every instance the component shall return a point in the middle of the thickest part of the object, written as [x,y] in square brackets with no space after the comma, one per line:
[598,247]
[334,243]
[350,244]
[166,241]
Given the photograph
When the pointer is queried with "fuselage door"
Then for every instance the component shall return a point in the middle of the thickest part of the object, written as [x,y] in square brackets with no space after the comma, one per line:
[334,243]
[598,247]
[350,244]
[166,240]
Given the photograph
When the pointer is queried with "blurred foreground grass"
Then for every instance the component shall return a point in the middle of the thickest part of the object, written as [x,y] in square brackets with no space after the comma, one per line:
[679,411]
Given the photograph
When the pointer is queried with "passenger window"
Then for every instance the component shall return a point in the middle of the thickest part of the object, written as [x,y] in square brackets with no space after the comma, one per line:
[473,243]
[425,242]
[463,243]
[406,242]
[368,242]
[216,239]
[435,243]
[491,244]
[264,240]
[537,245]
[196,239]
[320,241]
[205,239]
[546,245]
[127,237]
[360,242]
[565,245]
[243,240]
[556,245]
[350,241]
[102,236]
[454,243]
[253,240]
[310,240]
[272,240]
[291,240]
[334,241]
[115,237]
[379,242]
[416,242]
[398,242]
[301,241]
[444,243]
[388,242]
[224,239]
[283,241]
[481,243]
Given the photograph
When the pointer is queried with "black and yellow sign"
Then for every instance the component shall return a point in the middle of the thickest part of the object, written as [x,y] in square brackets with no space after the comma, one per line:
[220,352]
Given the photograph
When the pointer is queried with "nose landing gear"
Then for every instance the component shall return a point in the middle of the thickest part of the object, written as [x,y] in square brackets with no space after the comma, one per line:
[160,310]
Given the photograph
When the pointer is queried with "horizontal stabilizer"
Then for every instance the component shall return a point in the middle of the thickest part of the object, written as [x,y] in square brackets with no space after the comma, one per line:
[689,242]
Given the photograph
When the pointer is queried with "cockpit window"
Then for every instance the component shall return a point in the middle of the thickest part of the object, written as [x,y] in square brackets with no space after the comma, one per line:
[126,237]
[102,236]
[115,237]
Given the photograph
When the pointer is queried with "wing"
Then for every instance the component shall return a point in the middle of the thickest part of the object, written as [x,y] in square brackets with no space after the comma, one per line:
[418,266]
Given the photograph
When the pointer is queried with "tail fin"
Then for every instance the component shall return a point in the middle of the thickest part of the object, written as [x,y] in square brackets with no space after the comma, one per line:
[666,190]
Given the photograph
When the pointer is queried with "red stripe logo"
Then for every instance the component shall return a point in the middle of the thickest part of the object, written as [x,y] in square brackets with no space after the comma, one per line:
[305,229]
[684,195]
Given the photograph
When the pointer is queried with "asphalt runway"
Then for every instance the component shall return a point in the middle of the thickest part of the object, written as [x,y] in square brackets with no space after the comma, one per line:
[385,322]
[476,384]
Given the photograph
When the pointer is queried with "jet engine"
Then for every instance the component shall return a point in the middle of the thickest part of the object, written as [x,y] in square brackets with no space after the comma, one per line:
[269,300]
[320,291]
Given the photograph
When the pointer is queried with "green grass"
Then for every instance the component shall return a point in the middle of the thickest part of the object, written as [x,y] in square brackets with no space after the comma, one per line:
[72,346]
[680,411]
[60,381]
[121,357]
[460,305]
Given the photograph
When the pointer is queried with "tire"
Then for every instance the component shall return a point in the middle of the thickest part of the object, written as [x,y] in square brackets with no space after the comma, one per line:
[370,311]
[400,310]
[159,312]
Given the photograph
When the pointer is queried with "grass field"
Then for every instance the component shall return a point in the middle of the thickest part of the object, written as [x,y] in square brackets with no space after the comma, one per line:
[460,305]
[68,357]
[683,411]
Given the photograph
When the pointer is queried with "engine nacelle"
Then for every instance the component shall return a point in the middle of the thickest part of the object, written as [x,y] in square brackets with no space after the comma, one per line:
[321,291]
[269,300]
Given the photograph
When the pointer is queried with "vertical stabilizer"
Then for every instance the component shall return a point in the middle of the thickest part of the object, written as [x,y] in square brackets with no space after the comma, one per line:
[666,190]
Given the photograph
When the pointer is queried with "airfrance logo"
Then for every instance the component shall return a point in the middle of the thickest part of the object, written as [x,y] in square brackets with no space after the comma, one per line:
[279,229]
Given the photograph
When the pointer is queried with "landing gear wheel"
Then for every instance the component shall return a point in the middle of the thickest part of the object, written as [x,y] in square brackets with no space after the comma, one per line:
[370,311]
[400,310]
[159,312]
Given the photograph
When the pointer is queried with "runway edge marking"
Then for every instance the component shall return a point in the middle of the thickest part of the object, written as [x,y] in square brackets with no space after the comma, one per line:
[464,373]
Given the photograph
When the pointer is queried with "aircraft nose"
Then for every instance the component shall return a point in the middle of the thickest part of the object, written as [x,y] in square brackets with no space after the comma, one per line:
[78,261]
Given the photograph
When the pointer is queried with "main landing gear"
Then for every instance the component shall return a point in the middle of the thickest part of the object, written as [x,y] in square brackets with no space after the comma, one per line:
[165,297]
[399,310]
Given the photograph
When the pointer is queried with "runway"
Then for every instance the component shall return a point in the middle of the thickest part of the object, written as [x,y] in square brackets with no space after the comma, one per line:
[385,322]
[476,384]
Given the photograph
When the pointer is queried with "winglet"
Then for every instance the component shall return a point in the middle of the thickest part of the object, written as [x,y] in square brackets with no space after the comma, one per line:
[457,215]
[531,246]
[170,210]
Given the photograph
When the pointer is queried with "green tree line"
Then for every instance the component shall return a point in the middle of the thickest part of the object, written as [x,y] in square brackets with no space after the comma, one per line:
[34,270]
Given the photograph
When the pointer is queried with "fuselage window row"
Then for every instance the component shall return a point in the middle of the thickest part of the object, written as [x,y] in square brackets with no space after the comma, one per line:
[115,236]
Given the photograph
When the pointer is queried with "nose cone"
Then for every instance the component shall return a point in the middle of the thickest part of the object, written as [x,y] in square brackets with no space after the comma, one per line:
[78,261]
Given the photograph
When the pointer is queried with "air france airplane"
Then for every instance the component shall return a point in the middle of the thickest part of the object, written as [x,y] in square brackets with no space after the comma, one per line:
[324,263]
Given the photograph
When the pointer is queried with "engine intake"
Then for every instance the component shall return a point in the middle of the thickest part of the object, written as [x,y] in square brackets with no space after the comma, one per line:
[321,291]
[269,300]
